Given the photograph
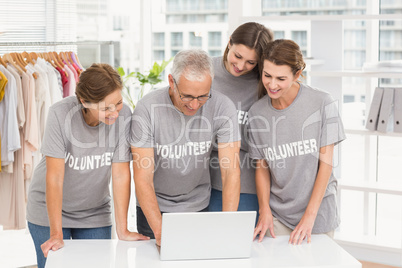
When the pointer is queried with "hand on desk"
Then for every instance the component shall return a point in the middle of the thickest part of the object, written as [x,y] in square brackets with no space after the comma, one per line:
[132,236]
[54,243]
[302,230]
[265,223]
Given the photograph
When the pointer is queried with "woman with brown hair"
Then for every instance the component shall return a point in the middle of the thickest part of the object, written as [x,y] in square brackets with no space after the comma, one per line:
[236,76]
[293,130]
[84,145]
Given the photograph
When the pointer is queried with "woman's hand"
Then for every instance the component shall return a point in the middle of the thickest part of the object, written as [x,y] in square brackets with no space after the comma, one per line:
[302,230]
[54,243]
[265,222]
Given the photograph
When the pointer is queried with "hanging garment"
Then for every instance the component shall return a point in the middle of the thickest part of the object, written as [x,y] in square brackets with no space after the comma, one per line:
[9,121]
[42,97]
[3,82]
[20,99]
[69,88]
[31,133]
[54,90]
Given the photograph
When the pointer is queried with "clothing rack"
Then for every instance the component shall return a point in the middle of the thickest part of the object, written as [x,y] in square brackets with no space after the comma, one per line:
[79,43]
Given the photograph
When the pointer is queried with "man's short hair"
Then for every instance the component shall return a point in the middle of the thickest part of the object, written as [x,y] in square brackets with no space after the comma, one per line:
[194,64]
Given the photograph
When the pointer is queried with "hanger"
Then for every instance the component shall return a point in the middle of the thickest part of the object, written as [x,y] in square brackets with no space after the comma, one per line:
[2,63]
[20,60]
[27,57]
[57,61]
[70,58]
[8,59]
[17,60]
[58,58]
[47,58]
[77,59]
[64,57]
[33,56]
[74,63]
[53,58]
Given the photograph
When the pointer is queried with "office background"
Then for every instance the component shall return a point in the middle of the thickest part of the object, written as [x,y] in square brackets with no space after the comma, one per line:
[339,38]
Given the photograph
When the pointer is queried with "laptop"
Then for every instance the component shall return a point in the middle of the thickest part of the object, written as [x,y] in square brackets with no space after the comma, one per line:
[207,235]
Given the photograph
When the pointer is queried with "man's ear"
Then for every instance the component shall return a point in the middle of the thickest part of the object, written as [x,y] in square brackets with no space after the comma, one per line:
[171,81]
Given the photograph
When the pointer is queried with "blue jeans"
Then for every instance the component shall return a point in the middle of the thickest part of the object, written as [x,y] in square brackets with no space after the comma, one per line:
[143,226]
[248,202]
[40,234]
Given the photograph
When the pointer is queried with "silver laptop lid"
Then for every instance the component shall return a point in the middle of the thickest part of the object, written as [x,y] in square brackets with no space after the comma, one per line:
[207,235]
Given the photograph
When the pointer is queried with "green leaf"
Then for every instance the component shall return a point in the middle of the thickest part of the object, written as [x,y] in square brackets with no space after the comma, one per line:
[121,72]
[152,78]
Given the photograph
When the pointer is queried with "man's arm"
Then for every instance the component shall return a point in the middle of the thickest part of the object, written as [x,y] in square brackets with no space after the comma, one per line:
[143,167]
[229,163]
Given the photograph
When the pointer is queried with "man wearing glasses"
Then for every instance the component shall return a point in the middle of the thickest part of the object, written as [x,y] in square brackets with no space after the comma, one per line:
[172,133]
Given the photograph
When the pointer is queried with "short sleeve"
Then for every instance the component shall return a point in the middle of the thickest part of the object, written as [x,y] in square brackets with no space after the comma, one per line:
[141,134]
[228,126]
[53,144]
[332,127]
[256,126]
[122,151]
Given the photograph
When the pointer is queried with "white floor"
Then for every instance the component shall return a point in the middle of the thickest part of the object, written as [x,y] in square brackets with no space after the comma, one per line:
[16,249]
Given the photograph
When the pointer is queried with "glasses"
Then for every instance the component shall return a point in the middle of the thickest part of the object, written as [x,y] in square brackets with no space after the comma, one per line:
[191,98]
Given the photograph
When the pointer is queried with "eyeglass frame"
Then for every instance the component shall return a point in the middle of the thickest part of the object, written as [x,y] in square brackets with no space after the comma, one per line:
[192,97]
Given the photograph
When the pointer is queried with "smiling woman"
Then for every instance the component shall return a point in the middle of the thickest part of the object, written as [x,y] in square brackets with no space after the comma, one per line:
[295,166]
[236,76]
[99,91]
[85,143]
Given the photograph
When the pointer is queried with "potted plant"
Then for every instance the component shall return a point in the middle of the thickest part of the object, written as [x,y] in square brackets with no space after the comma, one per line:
[146,81]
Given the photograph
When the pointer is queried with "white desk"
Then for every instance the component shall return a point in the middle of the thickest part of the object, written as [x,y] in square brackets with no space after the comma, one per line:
[322,252]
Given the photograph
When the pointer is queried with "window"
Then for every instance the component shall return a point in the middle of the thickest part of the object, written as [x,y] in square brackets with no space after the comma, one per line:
[176,39]
[174,52]
[172,5]
[279,34]
[348,98]
[121,23]
[159,39]
[37,21]
[158,55]
[214,39]
[215,53]
[300,37]
[195,39]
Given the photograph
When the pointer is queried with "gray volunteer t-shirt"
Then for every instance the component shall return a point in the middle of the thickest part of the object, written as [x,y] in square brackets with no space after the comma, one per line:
[290,140]
[88,153]
[182,146]
[242,90]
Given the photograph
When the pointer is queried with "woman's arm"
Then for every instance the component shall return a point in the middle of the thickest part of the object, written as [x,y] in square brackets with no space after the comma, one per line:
[263,184]
[121,176]
[305,226]
[54,202]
